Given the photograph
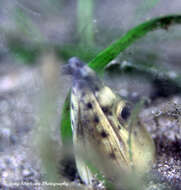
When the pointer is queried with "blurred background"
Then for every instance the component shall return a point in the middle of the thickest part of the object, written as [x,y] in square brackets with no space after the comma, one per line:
[36,37]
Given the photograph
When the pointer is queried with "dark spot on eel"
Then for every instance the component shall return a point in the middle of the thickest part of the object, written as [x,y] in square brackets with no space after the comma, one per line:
[106,110]
[104,134]
[96,119]
[119,127]
[112,155]
[89,105]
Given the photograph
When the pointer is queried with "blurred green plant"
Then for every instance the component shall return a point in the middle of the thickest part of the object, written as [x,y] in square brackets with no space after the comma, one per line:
[25,25]
[23,52]
[85,22]
[85,49]
[66,132]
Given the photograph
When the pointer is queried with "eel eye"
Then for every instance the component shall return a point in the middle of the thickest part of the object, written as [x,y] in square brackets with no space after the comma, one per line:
[123,111]
[126,111]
